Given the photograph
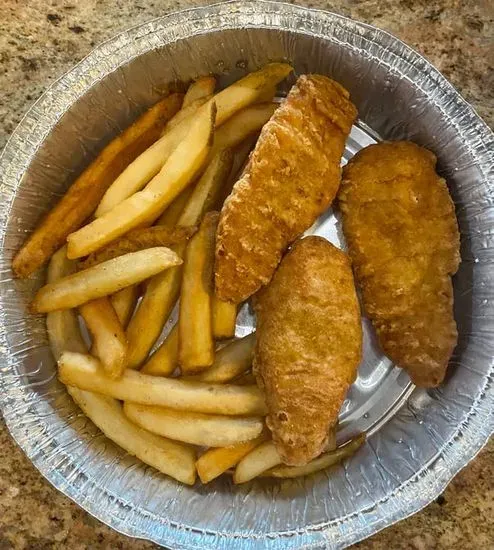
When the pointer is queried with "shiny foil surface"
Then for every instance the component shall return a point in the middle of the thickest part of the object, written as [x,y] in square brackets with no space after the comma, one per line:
[418,439]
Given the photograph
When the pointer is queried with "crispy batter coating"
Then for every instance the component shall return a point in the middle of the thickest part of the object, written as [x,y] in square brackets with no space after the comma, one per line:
[292,177]
[308,346]
[400,225]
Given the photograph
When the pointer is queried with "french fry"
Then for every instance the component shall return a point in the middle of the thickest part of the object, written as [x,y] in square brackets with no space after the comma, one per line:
[103,279]
[224,318]
[207,430]
[321,463]
[266,97]
[169,457]
[165,359]
[185,112]
[107,333]
[262,458]
[240,160]
[171,215]
[85,372]
[195,341]
[139,239]
[147,205]
[242,125]
[246,379]
[63,326]
[215,462]
[150,317]
[124,302]
[85,193]
[242,93]
[230,361]
[199,89]
[163,290]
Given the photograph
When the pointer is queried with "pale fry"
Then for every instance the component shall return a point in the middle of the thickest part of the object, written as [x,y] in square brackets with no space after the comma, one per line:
[262,458]
[237,96]
[163,290]
[85,193]
[169,457]
[147,205]
[159,298]
[242,125]
[185,113]
[85,372]
[215,462]
[208,189]
[195,342]
[171,215]
[103,279]
[224,318]
[63,326]
[165,359]
[321,463]
[202,87]
[107,333]
[139,239]
[231,361]
[206,430]
[124,302]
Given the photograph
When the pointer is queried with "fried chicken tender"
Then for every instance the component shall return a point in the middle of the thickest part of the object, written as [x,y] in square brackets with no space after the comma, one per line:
[292,177]
[308,346]
[400,225]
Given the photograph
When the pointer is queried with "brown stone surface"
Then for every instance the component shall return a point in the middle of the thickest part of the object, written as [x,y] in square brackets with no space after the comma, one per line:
[39,41]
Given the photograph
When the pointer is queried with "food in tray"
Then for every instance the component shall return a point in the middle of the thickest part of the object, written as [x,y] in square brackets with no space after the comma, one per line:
[292,177]
[194,406]
[400,225]
[308,346]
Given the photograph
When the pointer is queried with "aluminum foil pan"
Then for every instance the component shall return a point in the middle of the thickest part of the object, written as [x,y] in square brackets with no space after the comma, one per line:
[419,439]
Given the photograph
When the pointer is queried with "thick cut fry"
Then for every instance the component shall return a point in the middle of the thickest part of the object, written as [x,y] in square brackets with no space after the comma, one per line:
[156,305]
[85,372]
[172,214]
[224,318]
[214,462]
[169,457]
[107,334]
[231,361]
[85,193]
[185,113]
[103,279]
[139,239]
[195,342]
[321,463]
[199,89]
[237,96]
[163,290]
[208,189]
[262,458]
[63,326]
[147,205]
[165,359]
[206,430]
[124,302]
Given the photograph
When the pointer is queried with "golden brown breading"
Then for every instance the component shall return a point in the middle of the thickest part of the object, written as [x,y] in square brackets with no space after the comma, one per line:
[308,346]
[400,225]
[292,177]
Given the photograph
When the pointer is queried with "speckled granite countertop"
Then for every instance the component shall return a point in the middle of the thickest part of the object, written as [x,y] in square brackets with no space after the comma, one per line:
[39,41]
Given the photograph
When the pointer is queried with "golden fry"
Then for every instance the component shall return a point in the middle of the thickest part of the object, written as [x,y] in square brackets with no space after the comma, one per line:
[85,193]
[107,334]
[124,302]
[85,372]
[165,359]
[171,215]
[224,318]
[103,279]
[262,458]
[215,462]
[169,457]
[195,342]
[147,205]
[199,89]
[206,430]
[185,113]
[230,361]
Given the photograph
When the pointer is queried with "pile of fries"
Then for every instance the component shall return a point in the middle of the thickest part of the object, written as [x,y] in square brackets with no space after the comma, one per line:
[133,235]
